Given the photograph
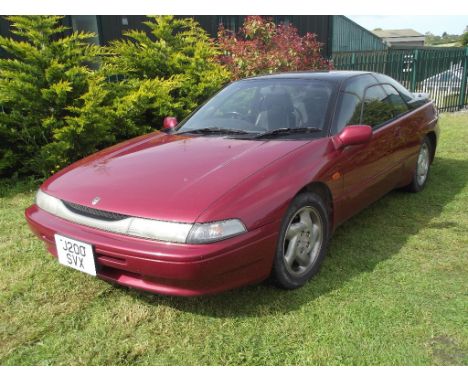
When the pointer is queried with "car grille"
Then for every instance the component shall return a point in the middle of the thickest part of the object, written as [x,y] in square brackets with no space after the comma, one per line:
[94,213]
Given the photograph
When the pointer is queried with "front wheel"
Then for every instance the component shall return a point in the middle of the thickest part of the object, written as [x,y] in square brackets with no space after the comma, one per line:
[422,166]
[303,241]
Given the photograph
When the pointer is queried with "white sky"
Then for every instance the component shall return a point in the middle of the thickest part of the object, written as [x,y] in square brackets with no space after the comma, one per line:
[422,24]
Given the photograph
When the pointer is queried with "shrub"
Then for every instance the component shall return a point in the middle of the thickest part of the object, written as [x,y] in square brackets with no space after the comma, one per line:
[55,108]
[464,39]
[263,47]
[50,98]
[168,71]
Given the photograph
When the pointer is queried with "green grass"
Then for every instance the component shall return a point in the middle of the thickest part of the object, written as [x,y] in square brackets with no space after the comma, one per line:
[392,291]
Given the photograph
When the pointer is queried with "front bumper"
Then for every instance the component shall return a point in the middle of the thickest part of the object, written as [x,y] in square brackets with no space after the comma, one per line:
[167,268]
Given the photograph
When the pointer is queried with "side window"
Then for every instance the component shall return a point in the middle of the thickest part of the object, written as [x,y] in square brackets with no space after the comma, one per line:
[357,85]
[404,93]
[350,105]
[350,111]
[394,98]
[376,110]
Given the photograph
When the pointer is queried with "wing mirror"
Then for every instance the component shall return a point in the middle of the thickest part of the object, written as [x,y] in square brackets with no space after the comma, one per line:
[352,135]
[169,123]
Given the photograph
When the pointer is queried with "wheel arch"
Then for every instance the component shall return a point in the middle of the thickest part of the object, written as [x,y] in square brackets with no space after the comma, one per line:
[433,138]
[324,192]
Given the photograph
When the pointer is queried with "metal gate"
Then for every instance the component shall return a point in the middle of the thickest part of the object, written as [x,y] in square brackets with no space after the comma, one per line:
[441,72]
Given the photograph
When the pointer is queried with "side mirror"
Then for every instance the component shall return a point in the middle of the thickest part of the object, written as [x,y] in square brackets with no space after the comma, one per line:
[353,135]
[169,123]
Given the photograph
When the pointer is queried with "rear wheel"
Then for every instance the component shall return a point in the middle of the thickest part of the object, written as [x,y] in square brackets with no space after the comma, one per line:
[422,166]
[303,241]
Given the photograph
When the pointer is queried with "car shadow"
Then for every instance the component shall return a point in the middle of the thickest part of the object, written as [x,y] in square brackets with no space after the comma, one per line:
[356,248]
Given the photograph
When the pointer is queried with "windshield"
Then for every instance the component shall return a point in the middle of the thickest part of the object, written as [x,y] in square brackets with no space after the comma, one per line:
[263,105]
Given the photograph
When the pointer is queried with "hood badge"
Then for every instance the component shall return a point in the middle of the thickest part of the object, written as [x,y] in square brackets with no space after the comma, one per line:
[95,200]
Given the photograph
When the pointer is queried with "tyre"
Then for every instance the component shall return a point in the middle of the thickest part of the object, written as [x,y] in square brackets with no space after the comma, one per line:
[303,241]
[423,164]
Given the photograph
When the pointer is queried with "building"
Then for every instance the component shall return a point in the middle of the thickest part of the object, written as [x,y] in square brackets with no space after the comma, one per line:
[400,37]
[336,33]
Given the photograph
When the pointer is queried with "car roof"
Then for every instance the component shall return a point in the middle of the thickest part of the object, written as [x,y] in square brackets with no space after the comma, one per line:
[331,75]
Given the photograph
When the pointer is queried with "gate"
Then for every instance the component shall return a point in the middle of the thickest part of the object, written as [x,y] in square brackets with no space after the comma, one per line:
[441,72]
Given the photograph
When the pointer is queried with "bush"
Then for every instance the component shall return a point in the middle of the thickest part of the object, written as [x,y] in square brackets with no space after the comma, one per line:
[55,108]
[464,39]
[50,98]
[168,71]
[263,47]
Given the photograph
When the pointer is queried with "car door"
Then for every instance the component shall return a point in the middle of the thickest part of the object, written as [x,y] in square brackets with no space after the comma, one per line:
[371,170]
[407,136]
[406,141]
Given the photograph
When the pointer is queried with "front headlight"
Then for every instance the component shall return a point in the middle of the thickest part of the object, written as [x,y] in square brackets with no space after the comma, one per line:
[46,202]
[159,230]
[215,231]
[146,228]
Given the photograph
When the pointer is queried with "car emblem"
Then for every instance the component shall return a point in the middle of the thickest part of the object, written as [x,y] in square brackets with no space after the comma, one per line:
[95,200]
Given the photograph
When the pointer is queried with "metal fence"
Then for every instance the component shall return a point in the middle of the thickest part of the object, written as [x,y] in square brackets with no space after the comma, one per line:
[441,72]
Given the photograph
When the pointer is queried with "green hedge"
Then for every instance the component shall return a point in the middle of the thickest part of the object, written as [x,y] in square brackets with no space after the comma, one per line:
[58,105]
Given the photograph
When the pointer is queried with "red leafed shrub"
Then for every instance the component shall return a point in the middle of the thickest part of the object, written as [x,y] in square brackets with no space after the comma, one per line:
[262,47]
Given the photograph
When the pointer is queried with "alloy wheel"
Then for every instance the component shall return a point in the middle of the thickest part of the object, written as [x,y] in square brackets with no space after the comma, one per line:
[423,164]
[303,241]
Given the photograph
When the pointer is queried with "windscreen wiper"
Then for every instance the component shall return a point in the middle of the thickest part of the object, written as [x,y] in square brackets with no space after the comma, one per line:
[288,130]
[213,130]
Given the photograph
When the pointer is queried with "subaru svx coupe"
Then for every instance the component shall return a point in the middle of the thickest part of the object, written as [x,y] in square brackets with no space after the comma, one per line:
[250,186]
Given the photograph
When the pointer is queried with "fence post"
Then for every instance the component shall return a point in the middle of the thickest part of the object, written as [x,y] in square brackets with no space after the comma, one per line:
[353,60]
[461,99]
[413,71]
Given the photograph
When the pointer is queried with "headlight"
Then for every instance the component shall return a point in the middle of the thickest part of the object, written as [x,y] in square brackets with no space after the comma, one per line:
[215,231]
[46,202]
[146,228]
[159,230]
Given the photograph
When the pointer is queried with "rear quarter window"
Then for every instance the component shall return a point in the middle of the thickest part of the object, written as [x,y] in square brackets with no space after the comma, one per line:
[394,98]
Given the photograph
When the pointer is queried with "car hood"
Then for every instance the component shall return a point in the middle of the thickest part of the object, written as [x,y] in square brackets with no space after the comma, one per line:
[166,177]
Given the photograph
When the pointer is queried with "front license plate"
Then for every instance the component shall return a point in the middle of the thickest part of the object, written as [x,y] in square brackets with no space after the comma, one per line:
[75,254]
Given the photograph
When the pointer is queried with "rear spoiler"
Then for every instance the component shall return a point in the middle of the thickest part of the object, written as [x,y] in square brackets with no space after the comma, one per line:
[424,96]
[419,99]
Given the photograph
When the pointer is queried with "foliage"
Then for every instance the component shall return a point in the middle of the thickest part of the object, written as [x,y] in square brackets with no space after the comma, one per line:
[262,47]
[50,97]
[444,40]
[167,71]
[59,103]
[464,39]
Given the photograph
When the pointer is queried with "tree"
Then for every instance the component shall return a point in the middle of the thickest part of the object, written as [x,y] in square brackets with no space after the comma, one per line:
[261,47]
[59,101]
[464,39]
[50,97]
[168,71]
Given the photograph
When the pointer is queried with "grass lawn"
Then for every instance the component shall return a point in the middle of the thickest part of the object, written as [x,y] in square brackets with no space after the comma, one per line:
[393,291]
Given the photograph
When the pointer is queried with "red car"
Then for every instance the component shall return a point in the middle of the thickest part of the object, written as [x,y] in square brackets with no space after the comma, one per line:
[249,186]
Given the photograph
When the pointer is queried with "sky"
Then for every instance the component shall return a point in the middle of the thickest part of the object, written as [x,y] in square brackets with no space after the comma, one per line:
[435,24]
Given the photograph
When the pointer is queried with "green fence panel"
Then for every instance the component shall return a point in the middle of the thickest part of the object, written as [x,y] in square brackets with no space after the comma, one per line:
[348,36]
[441,72]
